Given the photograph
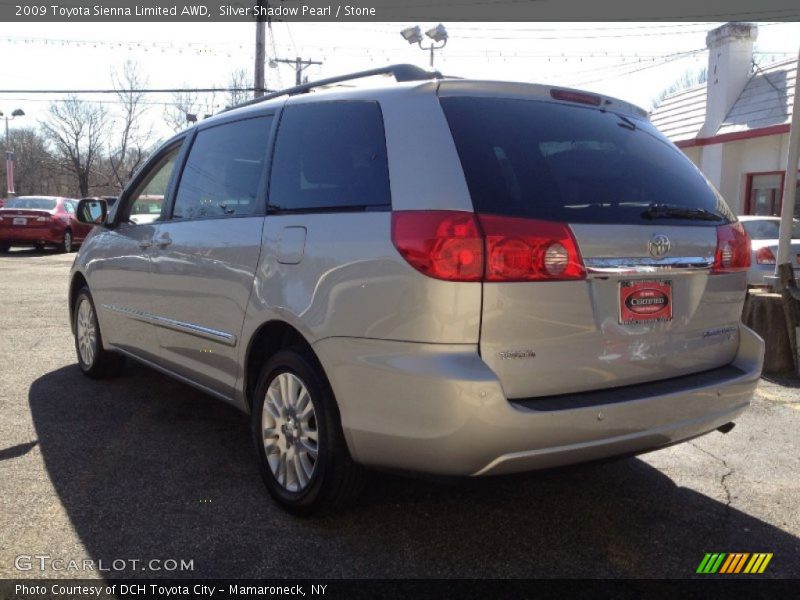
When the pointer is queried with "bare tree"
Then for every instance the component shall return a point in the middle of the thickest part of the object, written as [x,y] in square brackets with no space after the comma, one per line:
[77,129]
[687,80]
[239,87]
[176,114]
[129,150]
[37,170]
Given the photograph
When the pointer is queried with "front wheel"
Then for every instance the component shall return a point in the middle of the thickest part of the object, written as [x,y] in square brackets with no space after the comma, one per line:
[301,450]
[66,241]
[93,359]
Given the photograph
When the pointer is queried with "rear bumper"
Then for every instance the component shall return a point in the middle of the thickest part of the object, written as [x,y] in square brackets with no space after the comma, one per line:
[757,274]
[438,408]
[31,235]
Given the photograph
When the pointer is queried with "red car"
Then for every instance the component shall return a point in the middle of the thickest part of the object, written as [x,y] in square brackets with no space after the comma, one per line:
[41,221]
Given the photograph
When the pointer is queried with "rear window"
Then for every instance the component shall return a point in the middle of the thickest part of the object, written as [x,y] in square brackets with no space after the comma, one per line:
[767,229]
[551,161]
[31,203]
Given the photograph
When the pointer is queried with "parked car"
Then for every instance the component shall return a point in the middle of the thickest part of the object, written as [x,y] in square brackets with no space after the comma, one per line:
[41,221]
[2,202]
[763,233]
[439,275]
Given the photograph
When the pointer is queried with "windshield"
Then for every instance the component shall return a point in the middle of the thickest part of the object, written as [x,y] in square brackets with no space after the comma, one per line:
[767,229]
[575,164]
[32,203]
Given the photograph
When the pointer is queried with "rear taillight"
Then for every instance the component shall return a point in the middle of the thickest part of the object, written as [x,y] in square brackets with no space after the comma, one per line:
[529,250]
[764,256]
[733,249]
[441,244]
[458,246]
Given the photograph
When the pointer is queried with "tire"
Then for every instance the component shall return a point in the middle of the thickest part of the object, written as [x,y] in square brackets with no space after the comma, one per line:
[4,247]
[289,424]
[67,242]
[93,360]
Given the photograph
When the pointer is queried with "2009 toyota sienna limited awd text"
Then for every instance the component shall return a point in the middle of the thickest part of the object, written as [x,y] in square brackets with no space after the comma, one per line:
[438,275]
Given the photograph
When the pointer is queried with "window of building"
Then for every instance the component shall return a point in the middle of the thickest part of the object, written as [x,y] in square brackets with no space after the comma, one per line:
[765,193]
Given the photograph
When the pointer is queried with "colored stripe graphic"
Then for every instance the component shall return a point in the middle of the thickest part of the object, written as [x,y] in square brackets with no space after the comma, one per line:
[733,563]
[758,563]
[711,563]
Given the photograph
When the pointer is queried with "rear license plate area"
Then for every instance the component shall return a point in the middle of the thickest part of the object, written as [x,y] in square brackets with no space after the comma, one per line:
[645,300]
[20,221]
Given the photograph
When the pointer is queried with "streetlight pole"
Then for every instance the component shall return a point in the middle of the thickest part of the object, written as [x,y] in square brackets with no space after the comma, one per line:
[438,35]
[10,153]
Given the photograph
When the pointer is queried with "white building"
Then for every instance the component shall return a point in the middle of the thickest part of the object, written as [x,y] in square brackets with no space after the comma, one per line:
[735,127]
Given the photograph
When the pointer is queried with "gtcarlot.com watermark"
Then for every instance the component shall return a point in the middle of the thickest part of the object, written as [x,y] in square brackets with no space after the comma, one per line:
[45,562]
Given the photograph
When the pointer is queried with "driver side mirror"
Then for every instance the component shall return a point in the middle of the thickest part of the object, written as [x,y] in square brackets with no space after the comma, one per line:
[92,211]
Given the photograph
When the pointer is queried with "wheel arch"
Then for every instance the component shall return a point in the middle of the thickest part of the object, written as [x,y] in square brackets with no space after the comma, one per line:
[75,286]
[269,338]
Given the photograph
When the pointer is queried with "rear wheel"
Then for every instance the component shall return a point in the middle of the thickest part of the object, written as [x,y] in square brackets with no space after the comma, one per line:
[66,241]
[4,247]
[93,359]
[302,453]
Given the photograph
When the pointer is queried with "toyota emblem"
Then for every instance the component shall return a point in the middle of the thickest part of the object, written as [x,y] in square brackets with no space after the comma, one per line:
[658,245]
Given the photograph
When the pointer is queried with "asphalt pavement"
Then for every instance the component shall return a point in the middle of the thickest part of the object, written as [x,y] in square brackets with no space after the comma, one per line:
[141,468]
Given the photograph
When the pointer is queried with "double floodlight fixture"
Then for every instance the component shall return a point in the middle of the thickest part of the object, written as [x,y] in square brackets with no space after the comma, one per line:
[438,35]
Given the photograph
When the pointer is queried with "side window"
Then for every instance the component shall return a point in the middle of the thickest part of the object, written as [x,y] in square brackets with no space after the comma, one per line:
[328,156]
[224,170]
[69,207]
[146,201]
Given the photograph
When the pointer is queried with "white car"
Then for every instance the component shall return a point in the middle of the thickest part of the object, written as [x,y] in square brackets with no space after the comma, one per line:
[763,233]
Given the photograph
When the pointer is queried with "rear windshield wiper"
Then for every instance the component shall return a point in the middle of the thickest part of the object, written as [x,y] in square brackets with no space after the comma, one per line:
[669,211]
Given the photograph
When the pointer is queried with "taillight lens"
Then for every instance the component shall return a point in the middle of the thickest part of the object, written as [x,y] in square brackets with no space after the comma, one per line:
[764,256]
[733,249]
[529,250]
[458,246]
[441,244]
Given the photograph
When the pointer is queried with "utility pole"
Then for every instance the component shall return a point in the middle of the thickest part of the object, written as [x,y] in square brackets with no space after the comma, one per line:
[258,79]
[790,181]
[299,66]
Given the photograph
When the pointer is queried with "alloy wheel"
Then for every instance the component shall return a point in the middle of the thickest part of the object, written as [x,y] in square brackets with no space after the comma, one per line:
[289,432]
[86,332]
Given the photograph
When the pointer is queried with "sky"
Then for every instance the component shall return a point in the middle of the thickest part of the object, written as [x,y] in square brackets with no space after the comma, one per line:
[632,61]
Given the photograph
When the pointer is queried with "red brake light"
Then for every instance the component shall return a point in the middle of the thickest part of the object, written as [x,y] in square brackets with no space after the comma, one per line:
[458,246]
[579,97]
[733,249]
[441,244]
[529,250]
[764,256]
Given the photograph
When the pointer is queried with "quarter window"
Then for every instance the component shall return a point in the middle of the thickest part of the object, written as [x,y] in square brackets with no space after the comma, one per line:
[330,156]
[224,171]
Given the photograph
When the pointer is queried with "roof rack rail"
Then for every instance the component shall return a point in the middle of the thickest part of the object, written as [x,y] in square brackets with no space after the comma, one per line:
[402,72]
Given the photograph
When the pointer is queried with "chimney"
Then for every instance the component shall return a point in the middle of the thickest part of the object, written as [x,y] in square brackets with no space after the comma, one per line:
[730,58]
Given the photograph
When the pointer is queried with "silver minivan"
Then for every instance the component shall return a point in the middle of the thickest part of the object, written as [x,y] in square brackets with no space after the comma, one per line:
[436,275]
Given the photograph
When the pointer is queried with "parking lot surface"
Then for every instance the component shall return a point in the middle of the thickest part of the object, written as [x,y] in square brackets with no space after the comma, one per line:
[144,468]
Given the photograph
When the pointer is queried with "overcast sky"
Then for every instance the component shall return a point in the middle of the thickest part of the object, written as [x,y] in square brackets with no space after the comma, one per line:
[628,60]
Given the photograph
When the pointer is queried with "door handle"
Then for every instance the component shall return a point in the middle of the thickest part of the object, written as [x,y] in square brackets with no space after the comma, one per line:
[145,244]
[162,241]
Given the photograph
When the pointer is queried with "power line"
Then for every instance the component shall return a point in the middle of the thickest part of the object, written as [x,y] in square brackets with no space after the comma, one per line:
[135,91]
